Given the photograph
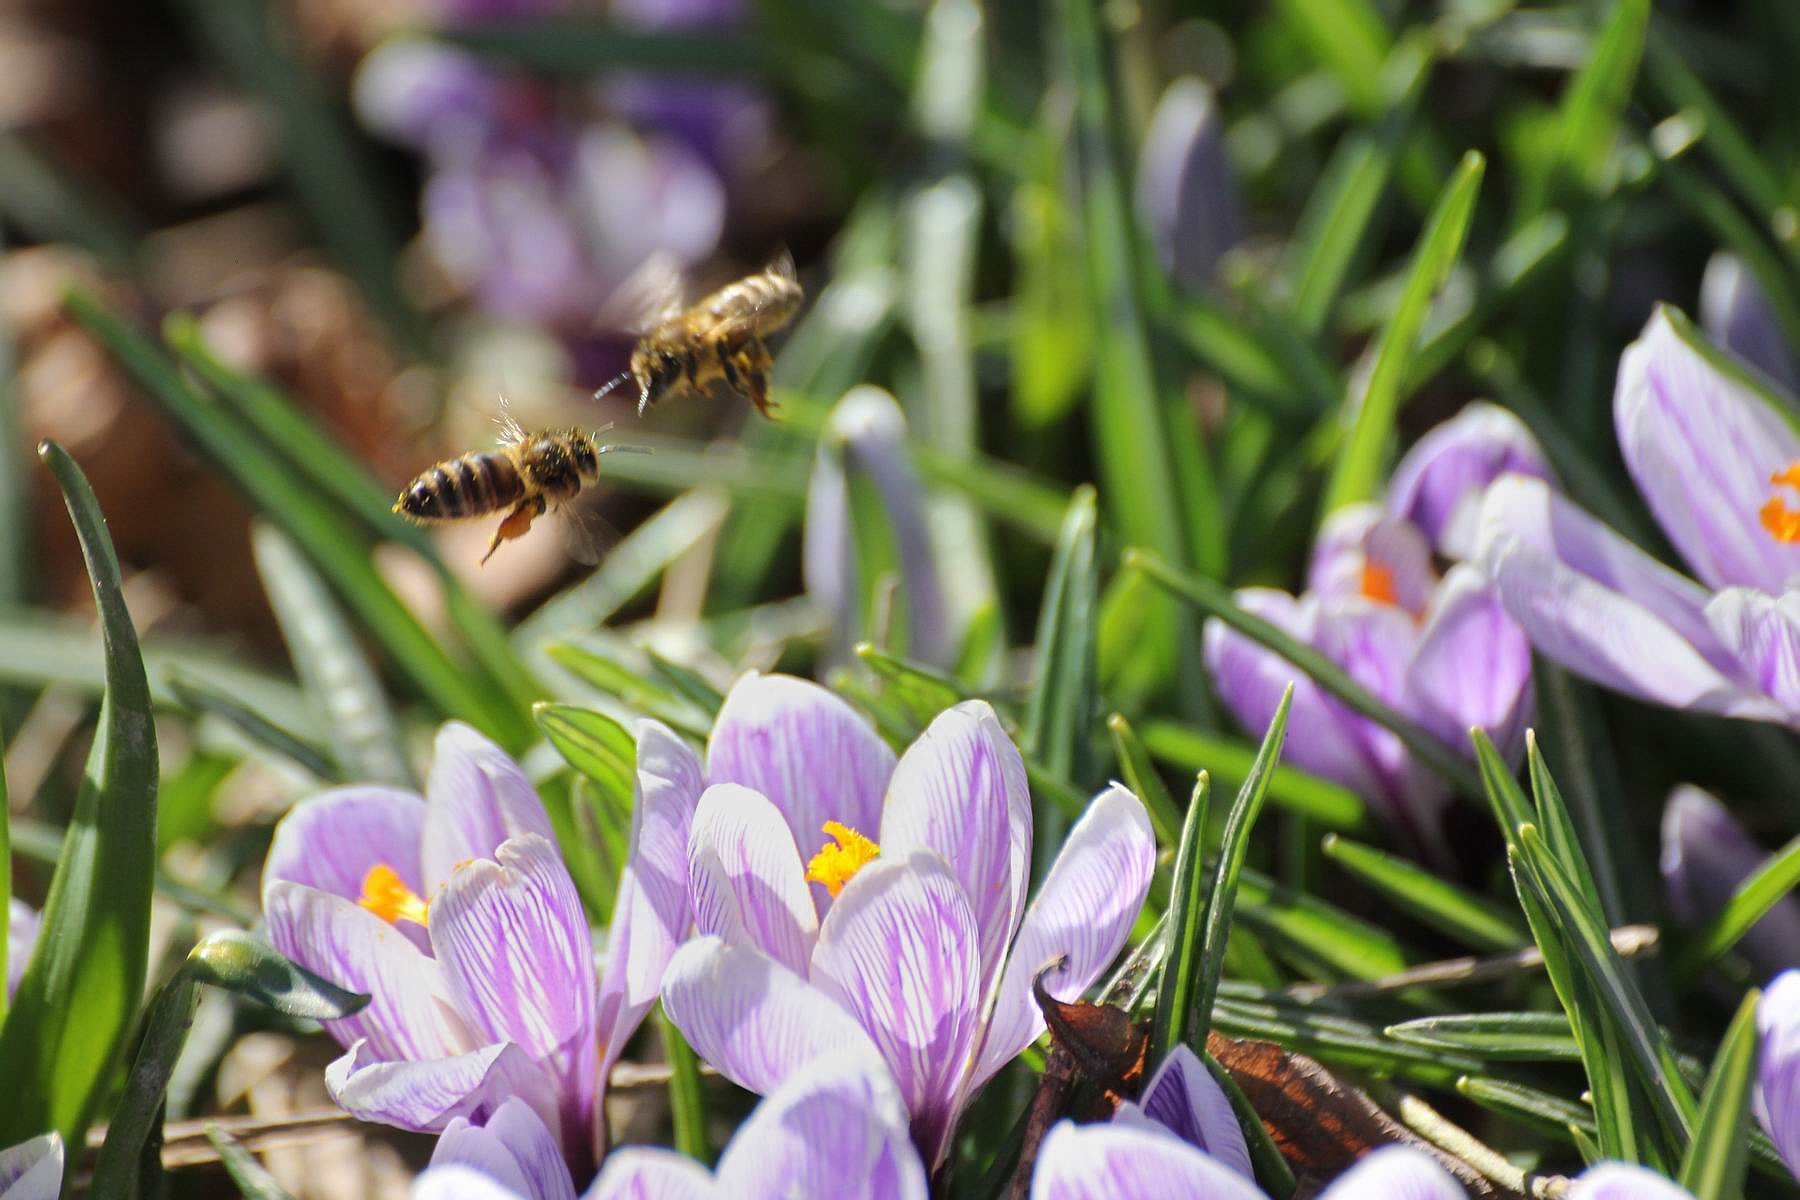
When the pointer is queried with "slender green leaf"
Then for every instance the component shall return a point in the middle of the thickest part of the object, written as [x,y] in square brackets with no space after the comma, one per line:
[1059,707]
[253,1181]
[687,1103]
[1498,1036]
[79,996]
[258,729]
[1766,887]
[1593,106]
[1331,805]
[1141,777]
[1358,471]
[1713,1167]
[1173,1022]
[1436,901]
[1272,1170]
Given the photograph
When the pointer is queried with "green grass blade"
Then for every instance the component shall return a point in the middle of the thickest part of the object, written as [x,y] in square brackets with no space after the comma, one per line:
[1511,808]
[1141,777]
[252,1179]
[1331,805]
[261,732]
[1059,707]
[1552,821]
[1439,903]
[1173,1021]
[1498,1037]
[1215,600]
[687,1102]
[1593,106]
[79,997]
[1221,898]
[1326,940]
[1272,1170]
[1755,896]
[366,740]
[1358,472]
[1713,1167]
[605,753]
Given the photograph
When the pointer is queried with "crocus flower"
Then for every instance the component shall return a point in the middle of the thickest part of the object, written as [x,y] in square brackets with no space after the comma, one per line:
[1736,313]
[917,946]
[456,914]
[1186,194]
[1182,1098]
[22,923]
[1625,1181]
[1716,457]
[1706,854]
[727,124]
[32,1170]
[1440,483]
[1777,1100]
[510,1155]
[865,445]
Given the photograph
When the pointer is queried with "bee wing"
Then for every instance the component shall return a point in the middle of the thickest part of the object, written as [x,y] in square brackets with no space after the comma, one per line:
[782,264]
[587,535]
[511,432]
[651,294]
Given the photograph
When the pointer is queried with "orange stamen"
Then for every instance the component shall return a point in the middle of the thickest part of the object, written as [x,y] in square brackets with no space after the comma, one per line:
[1782,522]
[386,895]
[1378,584]
[838,860]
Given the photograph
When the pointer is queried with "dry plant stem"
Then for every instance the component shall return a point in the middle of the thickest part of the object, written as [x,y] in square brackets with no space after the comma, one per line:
[1453,1139]
[1629,941]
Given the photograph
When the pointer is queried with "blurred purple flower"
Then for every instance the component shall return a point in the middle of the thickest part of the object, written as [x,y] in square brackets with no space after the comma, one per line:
[1625,1181]
[22,922]
[1138,1162]
[865,442]
[32,1170]
[1184,1099]
[1735,312]
[1715,458]
[1186,193]
[726,124]
[1440,483]
[918,948]
[1777,1100]
[486,991]
[1705,856]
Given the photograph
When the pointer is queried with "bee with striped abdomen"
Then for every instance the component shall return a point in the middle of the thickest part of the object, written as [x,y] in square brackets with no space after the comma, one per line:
[719,338]
[527,474]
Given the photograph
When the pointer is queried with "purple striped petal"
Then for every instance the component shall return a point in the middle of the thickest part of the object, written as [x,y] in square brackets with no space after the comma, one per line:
[1472,667]
[1736,313]
[477,798]
[427,1096]
[647,1173]
[1700,444]
[747,879]
[32,1170]
[806,750]
[331,840]
[515,946]
[412,1013]
[1777,1100]
[1621,1181]
[1395,1173]
[1250,679]
[1084,910]
[1763,631]
[1362,548]
[754,1019]
[1705,856]
[513,1149]
[455,1182]
[834,1129]
[1440,483]
[1119,1162]
[899,950]
[1592,601]
[960,792]
[651,913]
[1183,1098]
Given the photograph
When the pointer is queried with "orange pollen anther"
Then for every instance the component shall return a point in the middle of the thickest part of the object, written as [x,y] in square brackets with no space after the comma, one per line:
[841,858]
[1782,522]
[1378,584]
[386,895]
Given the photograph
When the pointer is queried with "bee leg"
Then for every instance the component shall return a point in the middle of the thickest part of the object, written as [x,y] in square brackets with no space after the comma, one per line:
[730,368]
[515,523]
[756,367]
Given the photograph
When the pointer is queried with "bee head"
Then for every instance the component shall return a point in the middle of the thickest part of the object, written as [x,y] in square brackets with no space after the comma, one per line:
[585,457]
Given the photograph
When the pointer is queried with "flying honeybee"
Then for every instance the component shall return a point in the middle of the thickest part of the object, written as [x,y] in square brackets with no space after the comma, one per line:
[527,474]
[721,337]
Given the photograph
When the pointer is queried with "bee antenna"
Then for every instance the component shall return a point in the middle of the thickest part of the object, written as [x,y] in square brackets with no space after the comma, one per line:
[611,449]
[610,384]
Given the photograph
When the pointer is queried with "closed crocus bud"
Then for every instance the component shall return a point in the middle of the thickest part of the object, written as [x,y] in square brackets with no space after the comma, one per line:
[1705,856]
[1440,483]
[863,482]
[1735,313]
[1186,193]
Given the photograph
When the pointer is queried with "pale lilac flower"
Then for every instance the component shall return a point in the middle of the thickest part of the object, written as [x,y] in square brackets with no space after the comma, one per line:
[1440,483]
[32,1170]
[1777,1100]
[22,922]
[1135,1162]
[1187,195]
[927,953]
[1184,1099]
[865,447]
[510,1156]
[1625,1181]
[1706,854]
[456,913]
[727,124]
[1736,313]
[1713,454]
